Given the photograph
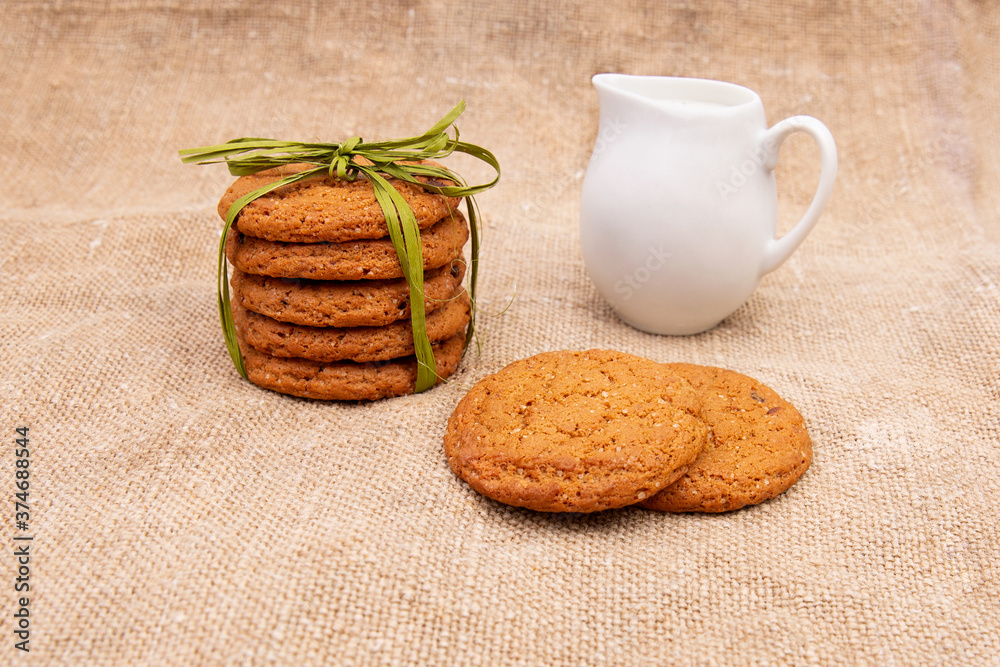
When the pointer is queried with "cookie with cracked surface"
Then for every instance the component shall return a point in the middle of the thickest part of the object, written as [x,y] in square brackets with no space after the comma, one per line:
[326,208]
[334,303]
[280,339]
[576,431]
[373,259]
[345,380]
[758,448]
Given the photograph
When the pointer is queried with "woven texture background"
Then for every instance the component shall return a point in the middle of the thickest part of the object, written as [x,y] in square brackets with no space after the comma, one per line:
[184,516]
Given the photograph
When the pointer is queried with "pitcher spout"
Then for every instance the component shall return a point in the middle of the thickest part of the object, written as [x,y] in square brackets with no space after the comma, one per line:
[614,97]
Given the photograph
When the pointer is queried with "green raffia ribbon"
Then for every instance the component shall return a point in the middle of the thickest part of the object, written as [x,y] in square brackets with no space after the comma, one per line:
[381,159]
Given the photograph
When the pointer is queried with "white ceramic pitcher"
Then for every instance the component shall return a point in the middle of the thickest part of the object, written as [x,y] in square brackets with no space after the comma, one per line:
[679,208]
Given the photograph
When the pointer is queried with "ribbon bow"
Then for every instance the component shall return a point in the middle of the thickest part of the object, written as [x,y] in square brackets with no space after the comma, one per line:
[340,161]
[397,159]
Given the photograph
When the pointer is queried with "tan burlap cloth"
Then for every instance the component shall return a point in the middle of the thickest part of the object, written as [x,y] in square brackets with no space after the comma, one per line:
[181,515]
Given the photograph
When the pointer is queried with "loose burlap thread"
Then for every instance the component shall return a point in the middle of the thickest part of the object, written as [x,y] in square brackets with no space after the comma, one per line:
[181,515]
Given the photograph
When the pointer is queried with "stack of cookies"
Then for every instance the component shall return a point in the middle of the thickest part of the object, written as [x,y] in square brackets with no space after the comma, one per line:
[595,430]
[319,301]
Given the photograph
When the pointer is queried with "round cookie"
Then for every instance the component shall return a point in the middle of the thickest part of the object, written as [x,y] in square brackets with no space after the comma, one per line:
[345,380]
[758,448]
[575,431]
[374,259]
[358,303]
[281,339]
[325,208]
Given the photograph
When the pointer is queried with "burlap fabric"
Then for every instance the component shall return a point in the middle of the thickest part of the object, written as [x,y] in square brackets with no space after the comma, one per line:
[181,515]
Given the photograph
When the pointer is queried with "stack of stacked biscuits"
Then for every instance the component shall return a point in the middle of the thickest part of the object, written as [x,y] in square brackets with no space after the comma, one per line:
[320,305]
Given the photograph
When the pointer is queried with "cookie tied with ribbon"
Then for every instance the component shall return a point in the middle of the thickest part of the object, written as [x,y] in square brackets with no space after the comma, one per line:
[387,191]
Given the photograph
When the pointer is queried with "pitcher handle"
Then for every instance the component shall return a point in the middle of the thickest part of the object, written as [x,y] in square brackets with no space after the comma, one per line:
[779,250]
